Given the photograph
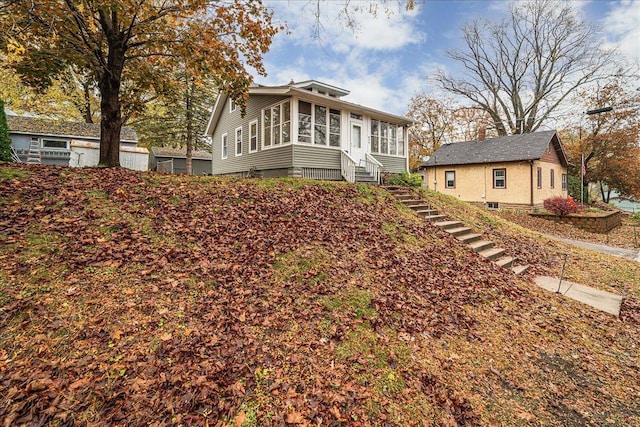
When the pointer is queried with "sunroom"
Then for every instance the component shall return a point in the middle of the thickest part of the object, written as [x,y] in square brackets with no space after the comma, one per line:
[307,130]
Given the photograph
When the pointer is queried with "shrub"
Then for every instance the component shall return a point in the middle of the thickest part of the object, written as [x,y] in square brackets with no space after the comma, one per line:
[406,179]
[5,142]
[561,206]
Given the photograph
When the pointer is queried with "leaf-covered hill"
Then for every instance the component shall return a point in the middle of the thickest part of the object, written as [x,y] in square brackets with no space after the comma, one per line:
[140,299]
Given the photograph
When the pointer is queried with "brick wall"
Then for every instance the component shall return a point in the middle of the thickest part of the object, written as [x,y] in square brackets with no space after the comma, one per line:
[595,223]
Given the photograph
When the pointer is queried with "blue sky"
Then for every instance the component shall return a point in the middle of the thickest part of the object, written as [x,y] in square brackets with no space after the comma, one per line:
[384,61]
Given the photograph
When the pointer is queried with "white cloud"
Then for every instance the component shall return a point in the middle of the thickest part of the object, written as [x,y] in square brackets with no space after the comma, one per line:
[622,25]
[327,23]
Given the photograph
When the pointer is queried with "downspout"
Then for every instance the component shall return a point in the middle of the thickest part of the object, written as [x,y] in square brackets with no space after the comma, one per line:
[531,182]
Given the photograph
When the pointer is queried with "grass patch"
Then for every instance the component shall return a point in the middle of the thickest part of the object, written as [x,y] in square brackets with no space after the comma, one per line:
[8,173]
[356,301]
[303,265]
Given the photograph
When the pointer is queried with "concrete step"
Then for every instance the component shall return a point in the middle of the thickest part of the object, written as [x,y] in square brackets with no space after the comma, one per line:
[458,231]
[419,207]
[412,202]
[403,196]
[469,237]
[492,254]
[427,212]
[505,262]
[480,245]
[430,216]
[447,224]
[519,269]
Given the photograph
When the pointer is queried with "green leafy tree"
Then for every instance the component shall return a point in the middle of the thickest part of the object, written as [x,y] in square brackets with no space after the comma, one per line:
[5,142]
[130,48]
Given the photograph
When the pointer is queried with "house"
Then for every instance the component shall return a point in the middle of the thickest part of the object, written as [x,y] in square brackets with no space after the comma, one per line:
[54,142]
[174,160]
[506,172]
[306,130]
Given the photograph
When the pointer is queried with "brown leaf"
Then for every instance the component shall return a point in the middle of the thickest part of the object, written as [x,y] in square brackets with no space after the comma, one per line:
[294,418]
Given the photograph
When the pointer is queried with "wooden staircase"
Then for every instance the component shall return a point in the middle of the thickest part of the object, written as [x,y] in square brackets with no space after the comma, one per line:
[364,177]
[464,234]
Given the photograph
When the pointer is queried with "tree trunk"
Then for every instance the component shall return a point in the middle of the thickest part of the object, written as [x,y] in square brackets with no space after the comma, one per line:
[110,106]
[189,117]
[86,113]
[110,125]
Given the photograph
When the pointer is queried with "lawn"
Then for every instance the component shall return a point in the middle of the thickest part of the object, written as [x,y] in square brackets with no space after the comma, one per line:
[132,298]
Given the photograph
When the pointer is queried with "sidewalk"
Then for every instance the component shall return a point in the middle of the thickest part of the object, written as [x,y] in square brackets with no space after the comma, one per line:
[631,254]
[601,300]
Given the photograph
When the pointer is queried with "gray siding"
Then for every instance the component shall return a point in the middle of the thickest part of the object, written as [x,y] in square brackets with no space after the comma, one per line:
[50,156]
[273,158]
[391,163]
[307,156]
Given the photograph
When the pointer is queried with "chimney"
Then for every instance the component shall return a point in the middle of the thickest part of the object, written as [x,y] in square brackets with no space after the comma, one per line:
[482,133]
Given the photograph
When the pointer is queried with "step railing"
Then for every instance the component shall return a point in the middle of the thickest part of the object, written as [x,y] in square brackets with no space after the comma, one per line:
[373,167]
[347,167]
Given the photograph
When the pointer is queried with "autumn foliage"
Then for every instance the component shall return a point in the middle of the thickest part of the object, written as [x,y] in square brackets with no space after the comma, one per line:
[560,205]
[138,299]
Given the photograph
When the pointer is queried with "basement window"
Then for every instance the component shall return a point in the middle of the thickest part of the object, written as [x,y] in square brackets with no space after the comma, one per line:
[492,205]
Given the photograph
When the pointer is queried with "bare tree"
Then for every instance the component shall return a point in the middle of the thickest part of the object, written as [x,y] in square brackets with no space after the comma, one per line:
[521,69]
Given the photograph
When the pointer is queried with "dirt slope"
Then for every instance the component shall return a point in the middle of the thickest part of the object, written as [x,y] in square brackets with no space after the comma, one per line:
[137,299]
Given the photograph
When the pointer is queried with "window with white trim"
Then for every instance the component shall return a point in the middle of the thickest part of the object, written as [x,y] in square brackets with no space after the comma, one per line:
[450,179]
[499,178]
[253,136]
[55,143]
[225,146]
[232,105]
[276,125]
[387,138]
[318,124]
[564,181]
[239,141]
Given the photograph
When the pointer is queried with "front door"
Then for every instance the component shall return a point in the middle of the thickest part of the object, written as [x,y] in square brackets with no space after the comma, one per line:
[357,149]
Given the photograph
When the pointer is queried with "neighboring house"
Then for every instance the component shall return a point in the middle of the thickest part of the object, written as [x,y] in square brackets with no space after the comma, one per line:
[504,172]
[174,160]
[55,142]
[306,130]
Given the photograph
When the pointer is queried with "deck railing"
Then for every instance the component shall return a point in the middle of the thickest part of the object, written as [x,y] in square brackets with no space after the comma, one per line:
[373,167]
[347,167]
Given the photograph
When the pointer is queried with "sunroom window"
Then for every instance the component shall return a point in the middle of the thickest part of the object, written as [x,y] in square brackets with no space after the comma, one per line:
[387,138]
[276,122]
[325,123]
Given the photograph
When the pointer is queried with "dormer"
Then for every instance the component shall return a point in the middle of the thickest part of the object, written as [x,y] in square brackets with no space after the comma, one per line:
[320,88]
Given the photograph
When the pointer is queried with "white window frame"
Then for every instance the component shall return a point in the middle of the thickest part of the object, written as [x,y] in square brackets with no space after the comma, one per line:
[225,146]
[565,182]
[45,140]
[446,180]
[238,141]
[253,136]
[503,178]
[232,105]
[281,125]
[397,141]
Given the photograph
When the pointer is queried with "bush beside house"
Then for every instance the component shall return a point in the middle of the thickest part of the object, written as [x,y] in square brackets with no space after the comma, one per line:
[5,141]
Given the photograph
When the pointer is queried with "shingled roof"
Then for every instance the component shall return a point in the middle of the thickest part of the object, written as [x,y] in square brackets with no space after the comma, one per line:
[48,127]
[180,153]
[513,148]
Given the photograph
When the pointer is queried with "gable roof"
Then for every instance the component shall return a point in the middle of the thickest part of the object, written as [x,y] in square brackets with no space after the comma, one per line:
[180,153]
[57,128]
[306,91]
[512,148]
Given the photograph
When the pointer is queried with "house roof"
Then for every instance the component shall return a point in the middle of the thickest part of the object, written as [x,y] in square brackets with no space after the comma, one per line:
[513,148]
[305,91]
[180,153]
[56,128]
